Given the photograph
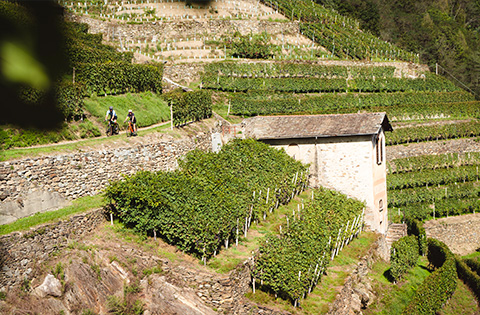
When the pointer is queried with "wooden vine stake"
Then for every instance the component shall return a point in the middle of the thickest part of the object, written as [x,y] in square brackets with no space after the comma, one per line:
[155,234]
[111,218]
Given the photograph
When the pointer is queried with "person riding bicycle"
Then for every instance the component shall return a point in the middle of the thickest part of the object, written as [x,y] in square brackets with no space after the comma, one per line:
[133,120]
[111,117]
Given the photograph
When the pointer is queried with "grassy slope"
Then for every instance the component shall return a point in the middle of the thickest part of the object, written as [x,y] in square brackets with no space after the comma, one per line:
[148,107]
[78,206]
[393,298]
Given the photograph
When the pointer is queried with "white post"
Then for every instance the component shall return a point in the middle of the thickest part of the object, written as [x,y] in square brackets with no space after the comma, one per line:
[171,117]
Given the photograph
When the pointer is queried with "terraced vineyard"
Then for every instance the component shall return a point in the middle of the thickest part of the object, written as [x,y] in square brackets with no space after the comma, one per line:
[431,186]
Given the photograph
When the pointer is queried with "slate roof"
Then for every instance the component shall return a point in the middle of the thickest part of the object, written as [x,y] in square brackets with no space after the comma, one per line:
[311,126]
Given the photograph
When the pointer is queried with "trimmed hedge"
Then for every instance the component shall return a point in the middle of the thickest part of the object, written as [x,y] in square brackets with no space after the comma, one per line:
[474,264]
[415,227]
[469,276]
[437,288]
[189,106]
[403,255]
[120,77]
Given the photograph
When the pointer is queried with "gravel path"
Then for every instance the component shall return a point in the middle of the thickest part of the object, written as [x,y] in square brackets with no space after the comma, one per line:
[433,147]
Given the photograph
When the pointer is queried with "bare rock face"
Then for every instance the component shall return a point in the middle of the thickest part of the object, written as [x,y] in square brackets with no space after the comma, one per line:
[51,286]
[89,289]
[165,298]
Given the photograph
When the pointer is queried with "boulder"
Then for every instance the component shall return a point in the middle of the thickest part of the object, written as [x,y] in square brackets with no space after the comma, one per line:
[50,286]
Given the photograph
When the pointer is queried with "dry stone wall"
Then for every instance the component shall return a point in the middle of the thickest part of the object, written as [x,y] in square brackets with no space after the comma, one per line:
[161,31]
[46,183]
[20,252]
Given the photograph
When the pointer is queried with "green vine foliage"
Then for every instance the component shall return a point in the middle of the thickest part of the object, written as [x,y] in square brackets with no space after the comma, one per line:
[437,288]
[431,83]
[120,77]
[397,104]
[291,264]
[403,256]
[251,47]
[189,106]
[340,35]
[415,227]
[436,132]
[211,199]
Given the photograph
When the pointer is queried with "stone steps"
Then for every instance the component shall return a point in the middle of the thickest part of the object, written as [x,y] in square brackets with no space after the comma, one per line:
[395,232]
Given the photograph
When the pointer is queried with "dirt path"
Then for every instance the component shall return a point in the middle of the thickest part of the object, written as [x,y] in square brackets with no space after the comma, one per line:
[433,147]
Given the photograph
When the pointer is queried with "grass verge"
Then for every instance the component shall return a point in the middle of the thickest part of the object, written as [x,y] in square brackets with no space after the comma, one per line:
[79,205]
[393,298]
[149,108]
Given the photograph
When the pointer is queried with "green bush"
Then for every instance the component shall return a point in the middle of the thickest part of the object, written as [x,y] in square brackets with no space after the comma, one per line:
[403,255]
[415,227]
[474,264]
[189,106]
[437,288]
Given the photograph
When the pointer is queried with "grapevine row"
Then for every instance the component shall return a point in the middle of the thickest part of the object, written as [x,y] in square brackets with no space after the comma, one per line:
[400,198]
[437,132]
[336,33]
[212,199]
[418,163]
[291,264]
[429,177]
[310,85]
[269,70]
[395,104]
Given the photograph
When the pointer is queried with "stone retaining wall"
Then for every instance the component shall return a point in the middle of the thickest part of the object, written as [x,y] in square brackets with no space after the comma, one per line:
[162,31]
[45,183]
[20,252]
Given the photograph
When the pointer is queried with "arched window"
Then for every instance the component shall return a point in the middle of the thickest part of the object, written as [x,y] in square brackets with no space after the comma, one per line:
[293,150]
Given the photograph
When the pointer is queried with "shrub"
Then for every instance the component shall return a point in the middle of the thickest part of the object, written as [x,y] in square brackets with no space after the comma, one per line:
[437,288]
[403,255]
[189,106]
[415,227]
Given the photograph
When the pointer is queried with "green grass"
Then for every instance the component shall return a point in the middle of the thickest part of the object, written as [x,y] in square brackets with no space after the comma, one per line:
[472,255]
[393,298]
[79,205]
[149,108]
[30,152]
[462,302]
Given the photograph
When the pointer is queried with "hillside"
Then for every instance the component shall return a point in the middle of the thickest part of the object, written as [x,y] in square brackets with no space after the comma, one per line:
[443,32]
[216,210]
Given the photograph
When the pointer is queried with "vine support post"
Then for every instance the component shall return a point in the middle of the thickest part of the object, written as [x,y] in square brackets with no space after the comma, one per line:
[111,218]
[253,285]
[155,234]
[171,116]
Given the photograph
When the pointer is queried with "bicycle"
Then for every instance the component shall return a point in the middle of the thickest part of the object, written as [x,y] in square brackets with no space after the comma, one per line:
[112,128]
[130,130]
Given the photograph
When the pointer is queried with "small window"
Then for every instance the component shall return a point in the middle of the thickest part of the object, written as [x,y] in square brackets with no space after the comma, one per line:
[380,205]
[379,146]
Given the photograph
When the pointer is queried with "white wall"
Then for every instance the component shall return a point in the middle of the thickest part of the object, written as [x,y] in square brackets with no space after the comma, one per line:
[348,165]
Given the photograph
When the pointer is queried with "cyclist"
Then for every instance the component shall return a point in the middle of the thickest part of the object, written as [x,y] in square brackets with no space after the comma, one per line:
[133,120]
[111,116]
